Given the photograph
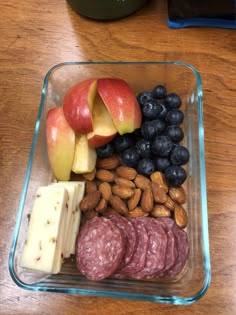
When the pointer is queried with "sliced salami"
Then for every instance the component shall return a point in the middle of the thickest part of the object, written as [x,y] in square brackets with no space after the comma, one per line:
[100,248]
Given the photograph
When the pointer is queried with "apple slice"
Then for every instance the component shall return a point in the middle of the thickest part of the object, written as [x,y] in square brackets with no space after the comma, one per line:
[78,106]
[104,129]
[85,156]
[60,138]
[121,104]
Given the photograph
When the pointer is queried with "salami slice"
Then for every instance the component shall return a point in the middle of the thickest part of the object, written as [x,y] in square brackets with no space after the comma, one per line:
[100,248]
[130,236]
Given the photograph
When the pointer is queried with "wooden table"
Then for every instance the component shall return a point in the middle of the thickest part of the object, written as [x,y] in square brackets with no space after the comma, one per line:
[35,35]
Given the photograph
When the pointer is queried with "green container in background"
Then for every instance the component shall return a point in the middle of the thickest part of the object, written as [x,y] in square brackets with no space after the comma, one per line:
[106,9]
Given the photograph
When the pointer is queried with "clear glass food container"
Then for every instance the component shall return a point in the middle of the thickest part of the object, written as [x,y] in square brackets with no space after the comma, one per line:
[193,282]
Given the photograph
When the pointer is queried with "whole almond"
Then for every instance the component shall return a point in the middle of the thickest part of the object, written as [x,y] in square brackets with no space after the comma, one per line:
[122,192]
[124,182]
[109,163]
[180,215]
[134,200]
[142,182]
[137,212]
[90,201]
[126,172]
[160,211]
[90,186]
[105,189]
[147,200]
[105,175]
[90,214]
[90,175]
[101,206]
[170,204]
[158,177]
[118,204]
[178,194]
[159,193]
[109,211]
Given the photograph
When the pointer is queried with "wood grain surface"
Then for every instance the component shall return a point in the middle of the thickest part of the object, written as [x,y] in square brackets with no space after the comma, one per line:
[35,35]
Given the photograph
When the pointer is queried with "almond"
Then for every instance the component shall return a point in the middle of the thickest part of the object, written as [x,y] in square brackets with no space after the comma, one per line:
[109,211]
[90,214]
[105,175]
[90,175]
[170,204]
[90,186]
[102,206]
[160,211]
[158,177]
[177,194]
[159,193]
[124,182]
[147,200]
[137,212]
[180,215]
[118,204]
[109,163]
[105,189]
[122,192]
[142,182]
[134,200]
[90,201]
[126,172]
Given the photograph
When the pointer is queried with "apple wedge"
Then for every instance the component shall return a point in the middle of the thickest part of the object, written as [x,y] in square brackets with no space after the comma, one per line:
[60,138]
[85,156]
[104,129]
[78,106]
[121,104]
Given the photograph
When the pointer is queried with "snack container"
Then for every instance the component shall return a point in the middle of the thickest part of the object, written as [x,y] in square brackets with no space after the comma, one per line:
[194,280]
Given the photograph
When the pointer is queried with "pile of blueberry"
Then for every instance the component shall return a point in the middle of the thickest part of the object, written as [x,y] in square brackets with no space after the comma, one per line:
[156,146]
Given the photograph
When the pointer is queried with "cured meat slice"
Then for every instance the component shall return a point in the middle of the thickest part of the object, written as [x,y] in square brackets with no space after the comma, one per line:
[100,248]
[130,236]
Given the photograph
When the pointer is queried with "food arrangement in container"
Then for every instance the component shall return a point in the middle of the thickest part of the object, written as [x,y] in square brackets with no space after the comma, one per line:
[114,201]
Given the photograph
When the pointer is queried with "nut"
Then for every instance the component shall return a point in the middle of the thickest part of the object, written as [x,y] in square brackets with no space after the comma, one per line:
[118,204]
[142,182]
[109,211]
[90,175]
[134,200]
[159,193]
[90,186]
[137,212]
[170,204]
[90,214]
[160,211]
[109,163]
[147,200]
[177,194]
[180,215]
[157,177]
[105,175]
[102,206]
[90,201]
[124,182]
[105,189]
[126,172]
[122,192]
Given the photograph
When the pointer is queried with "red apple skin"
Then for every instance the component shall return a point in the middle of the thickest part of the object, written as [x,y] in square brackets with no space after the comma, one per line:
[77,106]
[121,104]
[99,140]
[60,138]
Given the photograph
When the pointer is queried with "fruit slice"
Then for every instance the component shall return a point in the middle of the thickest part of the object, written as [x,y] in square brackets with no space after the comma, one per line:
[60,143]
[121,104]
[104,129]
[85,156]
[78,106]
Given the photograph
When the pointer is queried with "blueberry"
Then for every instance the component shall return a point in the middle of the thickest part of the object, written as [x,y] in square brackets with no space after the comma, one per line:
[163,112]
[159,91]
[174,117]
[173,101]
[105,151]
[122,143]
[175,133]
[130,157]
[151,109]
[162,164]
[143,147]
[143,97]
[137,134]
[179,155]
[162,146]
[152,128]
[145,167]
[175,175]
